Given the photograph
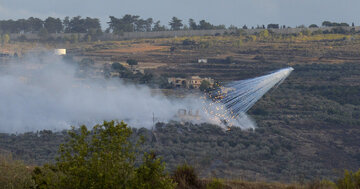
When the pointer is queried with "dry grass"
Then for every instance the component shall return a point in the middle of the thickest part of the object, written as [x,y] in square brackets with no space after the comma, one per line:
[134,48]
[240,184]
[13,173]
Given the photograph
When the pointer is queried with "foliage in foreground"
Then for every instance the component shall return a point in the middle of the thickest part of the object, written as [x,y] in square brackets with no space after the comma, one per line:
[102,158]
[13,173]
[186,177]
[350,180]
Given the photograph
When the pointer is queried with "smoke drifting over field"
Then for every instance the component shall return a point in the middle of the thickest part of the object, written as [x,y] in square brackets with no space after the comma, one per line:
[43,93]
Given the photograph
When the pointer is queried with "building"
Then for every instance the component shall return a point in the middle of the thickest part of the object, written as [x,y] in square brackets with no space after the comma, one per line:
[189,82]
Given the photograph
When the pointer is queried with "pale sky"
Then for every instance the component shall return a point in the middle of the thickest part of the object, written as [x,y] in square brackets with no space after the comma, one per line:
[236,12]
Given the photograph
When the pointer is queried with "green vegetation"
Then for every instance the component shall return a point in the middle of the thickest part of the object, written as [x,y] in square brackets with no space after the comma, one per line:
[5,39]
[350,180]
[14,173]
[102,158]
[108,156]
[132,62]
[186,177]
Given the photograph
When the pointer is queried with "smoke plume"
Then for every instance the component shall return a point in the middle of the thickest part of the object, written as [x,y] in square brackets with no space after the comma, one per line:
[43,93]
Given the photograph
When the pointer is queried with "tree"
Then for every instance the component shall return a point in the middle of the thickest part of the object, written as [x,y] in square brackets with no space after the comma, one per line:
[142,25]
[35,24]
[117,66]
[273,26]
[203,25]
[151,174]
[192,24]
[332,24]
[326,24]
[128,23]
[175,23]
[158,27]
[132,62]
[53,25]
[103,158]
[77,25]
[313,26]
[205,85]
[66,23]
[264,34]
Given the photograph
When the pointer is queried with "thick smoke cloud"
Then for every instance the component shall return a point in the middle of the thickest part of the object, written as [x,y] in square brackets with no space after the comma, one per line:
[43,93]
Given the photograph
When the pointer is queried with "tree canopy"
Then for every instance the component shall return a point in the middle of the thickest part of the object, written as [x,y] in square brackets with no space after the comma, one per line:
[175,23]
[104,157]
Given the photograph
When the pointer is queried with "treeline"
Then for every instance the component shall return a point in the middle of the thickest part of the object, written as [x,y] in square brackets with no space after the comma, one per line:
[51,25]
[111,155]
[127,23]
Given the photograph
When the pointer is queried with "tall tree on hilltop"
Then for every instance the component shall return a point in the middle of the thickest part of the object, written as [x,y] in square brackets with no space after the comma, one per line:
[175,23]
[53,25]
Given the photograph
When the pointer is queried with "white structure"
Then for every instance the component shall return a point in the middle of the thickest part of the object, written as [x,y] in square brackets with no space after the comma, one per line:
[202,60]
[60,51]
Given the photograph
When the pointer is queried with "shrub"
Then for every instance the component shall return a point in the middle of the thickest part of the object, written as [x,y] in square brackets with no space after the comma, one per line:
[186,177]
[17,174]
[350,180]
[132,62]
[117,66]
[150,174]
[215,184]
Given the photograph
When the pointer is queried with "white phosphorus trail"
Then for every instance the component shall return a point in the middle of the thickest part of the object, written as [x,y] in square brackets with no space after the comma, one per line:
[232,101]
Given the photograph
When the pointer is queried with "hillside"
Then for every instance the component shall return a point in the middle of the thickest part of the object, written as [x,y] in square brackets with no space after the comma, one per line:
[308,128]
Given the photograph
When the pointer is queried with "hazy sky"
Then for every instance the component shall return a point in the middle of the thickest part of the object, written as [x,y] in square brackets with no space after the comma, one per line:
[236,12]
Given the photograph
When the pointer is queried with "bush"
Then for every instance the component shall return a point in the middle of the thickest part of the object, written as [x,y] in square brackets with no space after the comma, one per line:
[188,42]
[186,177]
[117,66]
[14,174]
[205,85]
[229,59]
[215,184]
[150,174]
[350,180]
[132,62]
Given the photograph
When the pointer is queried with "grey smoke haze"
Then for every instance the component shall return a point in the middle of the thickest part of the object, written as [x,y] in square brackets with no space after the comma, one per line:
[236,12]
[42,93]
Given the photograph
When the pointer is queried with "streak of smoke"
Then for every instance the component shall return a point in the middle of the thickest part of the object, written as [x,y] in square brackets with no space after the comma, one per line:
[232,101]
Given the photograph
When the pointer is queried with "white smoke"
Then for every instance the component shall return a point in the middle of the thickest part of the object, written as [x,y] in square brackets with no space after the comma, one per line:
[43,93]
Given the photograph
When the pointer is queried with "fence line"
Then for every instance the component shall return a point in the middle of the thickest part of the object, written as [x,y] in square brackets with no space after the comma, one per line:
[167,34]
